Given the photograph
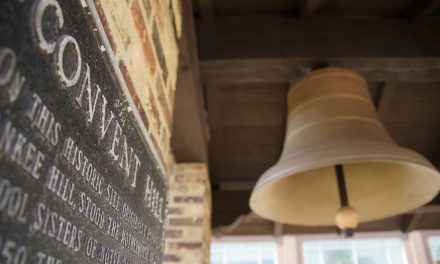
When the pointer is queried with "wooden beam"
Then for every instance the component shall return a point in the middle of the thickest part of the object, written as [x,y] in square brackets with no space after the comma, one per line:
[427,209]
[387,94]
[376,69]
[189,140]
[236,185]
[277,229]
[420,8]
[409,222]
[308,8]
[206,9]
[274,49]
[318,37]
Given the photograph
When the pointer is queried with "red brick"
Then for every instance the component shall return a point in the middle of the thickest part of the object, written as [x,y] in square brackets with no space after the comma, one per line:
[163,103]
[186,221]
[159,52]
[175,211]
[155,113]
[189,245]
[188,199]
[173,233]
[134,96]
[171,258]
[105,25]
[185,179]
[144,35]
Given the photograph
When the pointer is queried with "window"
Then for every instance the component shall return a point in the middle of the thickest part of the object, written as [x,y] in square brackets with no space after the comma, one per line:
[243,253]
[434,246]
[355,251]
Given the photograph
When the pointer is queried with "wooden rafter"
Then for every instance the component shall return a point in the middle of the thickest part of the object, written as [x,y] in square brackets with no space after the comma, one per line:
[277,229]
[308,8]
[206,9]
[189,143]
[420,8]
[378,69]
[274,49]
[387,93]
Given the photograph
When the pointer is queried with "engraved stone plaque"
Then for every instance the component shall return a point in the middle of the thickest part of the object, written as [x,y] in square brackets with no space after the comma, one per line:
[79,179]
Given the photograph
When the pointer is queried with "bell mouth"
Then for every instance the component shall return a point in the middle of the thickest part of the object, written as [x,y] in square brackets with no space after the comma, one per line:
[376,188]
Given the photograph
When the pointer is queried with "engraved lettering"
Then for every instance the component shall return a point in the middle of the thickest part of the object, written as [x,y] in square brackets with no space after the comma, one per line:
[81,164]
[43,258]
[12,252]
[113,228]
[90,210]
[108,255]
[13,200]
[130,242]
[137,164]
[125,158]
[116,133]
[8,63]
[91,247]
[31,112]
[73,77]
[43,120]
[39,8]
[17,148]
[16,86]
[112,197]
[60,184]
[67,148]
[57,227]
[92,98]
[66,49]
[153,200]
[105,122]
[8,73]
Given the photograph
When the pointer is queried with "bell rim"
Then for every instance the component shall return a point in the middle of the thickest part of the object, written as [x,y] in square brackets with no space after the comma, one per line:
[423,165]
[376,159]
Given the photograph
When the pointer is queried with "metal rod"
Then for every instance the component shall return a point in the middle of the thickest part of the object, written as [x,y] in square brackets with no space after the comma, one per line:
[343,196]
[341,185]
[349,232]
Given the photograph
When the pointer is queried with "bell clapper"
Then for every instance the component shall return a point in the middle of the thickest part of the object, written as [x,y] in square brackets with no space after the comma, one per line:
[346,218]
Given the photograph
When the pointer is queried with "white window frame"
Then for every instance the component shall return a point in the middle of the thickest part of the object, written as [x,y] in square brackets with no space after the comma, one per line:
[425,236]
[404,237]
[251,239]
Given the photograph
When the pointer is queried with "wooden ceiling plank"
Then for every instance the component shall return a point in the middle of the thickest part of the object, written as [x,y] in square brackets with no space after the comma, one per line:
[277,50]
[318,37]
[206,9]
[262,70]
[308,8]
[387,94]
[277,229]
[428,209]
[236,185]
[418,9]
[409,222]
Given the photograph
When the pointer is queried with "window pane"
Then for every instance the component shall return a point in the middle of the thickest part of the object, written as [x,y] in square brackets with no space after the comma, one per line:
[243,253]
[434,245]
[338,257]
[354,251]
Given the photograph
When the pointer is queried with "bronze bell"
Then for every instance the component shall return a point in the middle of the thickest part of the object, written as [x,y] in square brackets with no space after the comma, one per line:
[332,122]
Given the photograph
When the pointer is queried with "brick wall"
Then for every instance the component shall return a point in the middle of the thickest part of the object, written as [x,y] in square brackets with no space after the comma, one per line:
[143,35]
[189,215]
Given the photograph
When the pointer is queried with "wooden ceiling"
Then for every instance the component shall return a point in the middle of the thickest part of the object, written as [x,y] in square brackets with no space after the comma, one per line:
[250,50]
